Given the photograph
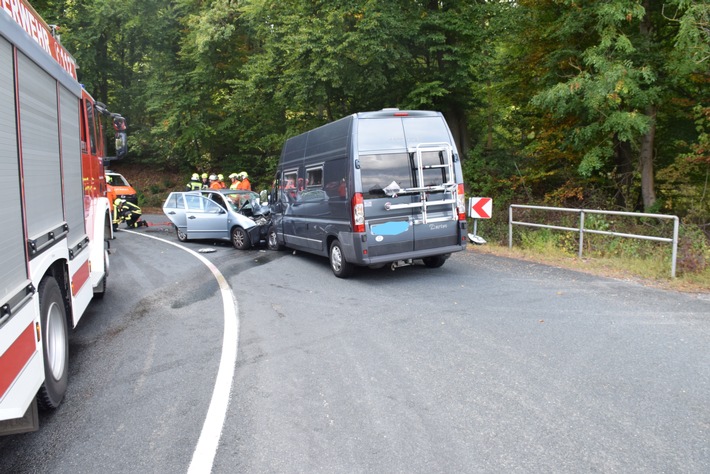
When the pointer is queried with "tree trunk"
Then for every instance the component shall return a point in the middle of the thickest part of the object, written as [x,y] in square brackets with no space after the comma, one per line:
[624,170]
[456,118]
[648,192]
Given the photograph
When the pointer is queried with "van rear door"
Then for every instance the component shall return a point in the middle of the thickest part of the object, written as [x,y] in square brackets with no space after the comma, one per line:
[388,215]
[408,178]
[436,216]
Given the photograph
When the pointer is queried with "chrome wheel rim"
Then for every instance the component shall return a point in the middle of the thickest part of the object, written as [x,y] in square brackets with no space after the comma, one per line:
[56,341]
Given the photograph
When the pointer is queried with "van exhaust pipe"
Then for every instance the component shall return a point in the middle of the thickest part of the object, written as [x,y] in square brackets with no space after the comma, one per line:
[400,263]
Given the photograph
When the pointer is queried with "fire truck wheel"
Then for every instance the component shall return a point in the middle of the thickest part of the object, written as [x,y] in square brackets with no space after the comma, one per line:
[340,267]
[240,239]
[55,344]
[101,291]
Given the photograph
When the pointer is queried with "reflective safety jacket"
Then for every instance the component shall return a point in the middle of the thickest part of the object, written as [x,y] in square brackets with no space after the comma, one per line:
[194,185]
[125,211]
[245,184]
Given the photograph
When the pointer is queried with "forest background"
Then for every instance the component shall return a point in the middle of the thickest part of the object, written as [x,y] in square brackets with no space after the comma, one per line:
[599,104]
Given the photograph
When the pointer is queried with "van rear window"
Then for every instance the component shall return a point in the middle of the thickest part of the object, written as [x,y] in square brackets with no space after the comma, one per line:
[378,172]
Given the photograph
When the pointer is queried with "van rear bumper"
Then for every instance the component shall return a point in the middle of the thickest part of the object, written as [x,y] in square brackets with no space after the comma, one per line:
[353,248]
[393,257]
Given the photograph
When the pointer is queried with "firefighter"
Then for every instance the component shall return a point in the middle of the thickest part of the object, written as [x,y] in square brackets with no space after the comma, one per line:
[245,184]
[195,184]
[220,180]
[129,213]
[235,181]
[214,183]
[205,181]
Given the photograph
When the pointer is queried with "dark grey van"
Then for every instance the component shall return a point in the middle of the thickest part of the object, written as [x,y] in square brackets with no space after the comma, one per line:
[371,189]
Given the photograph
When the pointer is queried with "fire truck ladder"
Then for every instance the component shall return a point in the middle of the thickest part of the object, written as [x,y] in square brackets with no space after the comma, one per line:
[449,187]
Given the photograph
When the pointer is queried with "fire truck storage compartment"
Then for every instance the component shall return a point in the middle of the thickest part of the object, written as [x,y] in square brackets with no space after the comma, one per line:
[13,271]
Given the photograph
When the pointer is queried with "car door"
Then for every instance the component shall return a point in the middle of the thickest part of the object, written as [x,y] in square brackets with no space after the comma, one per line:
[174,208]
[205,219]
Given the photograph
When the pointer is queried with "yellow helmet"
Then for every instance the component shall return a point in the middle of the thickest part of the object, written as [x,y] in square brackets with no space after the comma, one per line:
[195,177]
[220,177]
[118,201]
[204,175]
[243,174]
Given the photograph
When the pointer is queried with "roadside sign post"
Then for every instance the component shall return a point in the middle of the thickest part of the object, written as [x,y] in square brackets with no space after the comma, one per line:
[479,208]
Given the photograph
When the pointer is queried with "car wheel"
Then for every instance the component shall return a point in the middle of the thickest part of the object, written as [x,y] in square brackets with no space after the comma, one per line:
[182,236]
[435,261]
[55,344]
[340,267]
[273,240]
[240,239]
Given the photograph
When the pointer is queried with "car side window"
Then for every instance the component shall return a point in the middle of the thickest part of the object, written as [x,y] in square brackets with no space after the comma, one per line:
[172,201]
[194,202]
[212,207]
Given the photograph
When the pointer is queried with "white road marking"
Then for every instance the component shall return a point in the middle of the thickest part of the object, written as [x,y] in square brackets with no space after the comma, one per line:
[206,449]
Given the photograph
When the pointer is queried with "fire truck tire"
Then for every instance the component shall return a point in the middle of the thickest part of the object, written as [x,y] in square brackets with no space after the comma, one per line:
[240,239]
[55,344]
[340,267]
[101,290]
[435,261]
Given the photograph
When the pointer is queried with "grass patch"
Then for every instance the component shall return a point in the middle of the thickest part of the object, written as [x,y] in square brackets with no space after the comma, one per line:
[649,271]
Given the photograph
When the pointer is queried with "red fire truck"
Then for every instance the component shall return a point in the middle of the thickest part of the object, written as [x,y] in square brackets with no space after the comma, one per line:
[54,212]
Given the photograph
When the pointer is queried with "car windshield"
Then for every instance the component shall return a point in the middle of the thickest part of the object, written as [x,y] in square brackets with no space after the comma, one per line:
[116,180]
[238,200]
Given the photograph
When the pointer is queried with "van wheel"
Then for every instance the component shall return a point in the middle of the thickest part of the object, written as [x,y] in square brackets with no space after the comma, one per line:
[340,267]
[434,262]
[240,239]
[181,236]
[272,240]
[55,344]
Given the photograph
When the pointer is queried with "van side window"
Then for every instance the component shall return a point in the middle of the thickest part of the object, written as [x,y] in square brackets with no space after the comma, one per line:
[314,177]
[335,174]
[290,185]
[379,171]
[290,179]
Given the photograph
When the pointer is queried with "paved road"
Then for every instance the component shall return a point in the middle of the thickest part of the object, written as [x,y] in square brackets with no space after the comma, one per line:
[484,365]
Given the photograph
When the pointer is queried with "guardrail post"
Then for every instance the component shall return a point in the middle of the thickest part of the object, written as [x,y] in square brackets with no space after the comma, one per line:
[510,226]
[675,245]
[581,232]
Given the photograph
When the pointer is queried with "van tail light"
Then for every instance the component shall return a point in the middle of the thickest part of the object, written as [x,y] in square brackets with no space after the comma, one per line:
[460,203]
[358,213]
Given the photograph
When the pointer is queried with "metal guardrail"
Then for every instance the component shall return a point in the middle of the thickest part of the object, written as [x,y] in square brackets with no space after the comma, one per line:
[582,230]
